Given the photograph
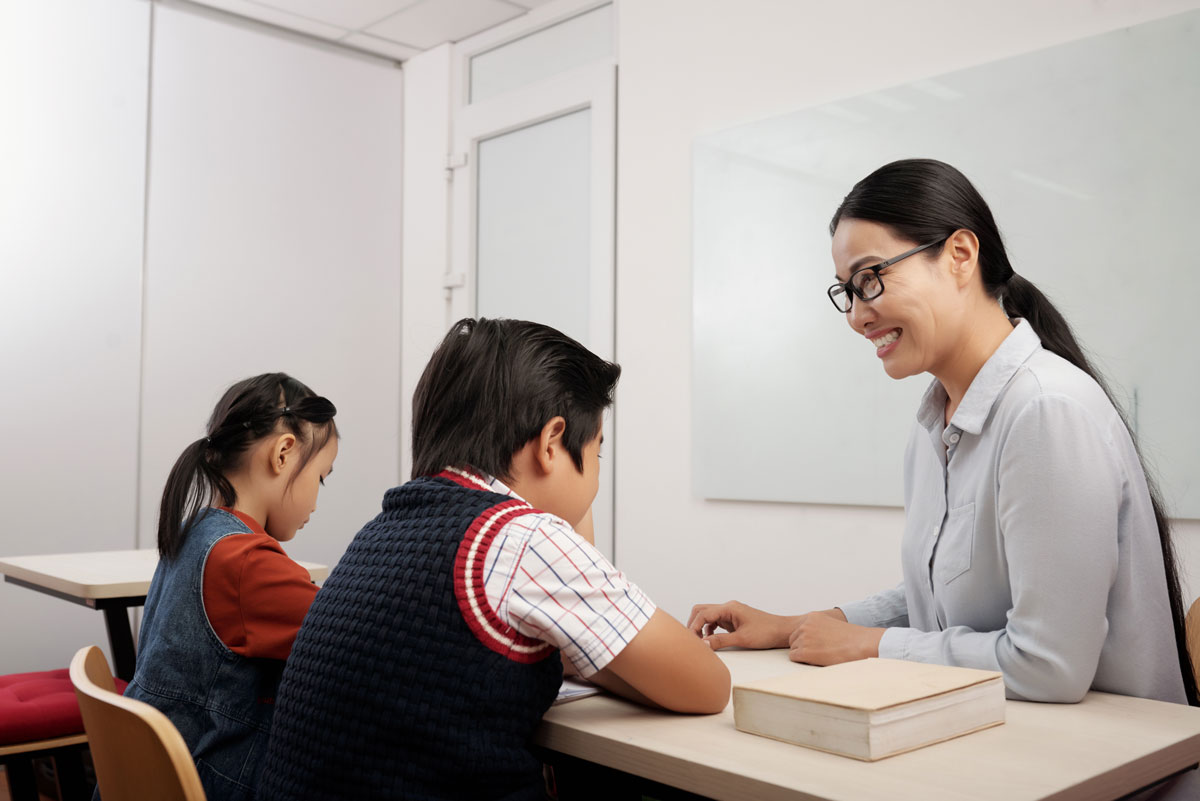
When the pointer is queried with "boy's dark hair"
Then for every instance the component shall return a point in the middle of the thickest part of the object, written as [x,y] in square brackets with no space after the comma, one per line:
[249,411]
[492,385]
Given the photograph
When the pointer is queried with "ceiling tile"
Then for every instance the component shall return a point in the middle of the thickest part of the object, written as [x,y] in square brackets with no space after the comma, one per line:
[382,47]
[436,21]
[351,14]
[273,16]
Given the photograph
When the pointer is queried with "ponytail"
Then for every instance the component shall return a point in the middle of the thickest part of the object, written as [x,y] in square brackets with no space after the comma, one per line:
[923,200]
[248,412]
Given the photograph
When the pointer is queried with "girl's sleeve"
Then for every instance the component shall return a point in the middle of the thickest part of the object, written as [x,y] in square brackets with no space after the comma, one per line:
[255,595]
[1058,495]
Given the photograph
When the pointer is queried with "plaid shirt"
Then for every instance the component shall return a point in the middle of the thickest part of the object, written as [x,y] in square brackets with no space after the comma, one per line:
[552,585]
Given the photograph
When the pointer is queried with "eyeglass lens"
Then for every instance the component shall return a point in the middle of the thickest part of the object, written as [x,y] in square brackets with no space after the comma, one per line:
[866,285]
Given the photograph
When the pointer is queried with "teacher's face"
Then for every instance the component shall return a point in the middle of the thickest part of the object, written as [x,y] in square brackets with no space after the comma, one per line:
[904,325]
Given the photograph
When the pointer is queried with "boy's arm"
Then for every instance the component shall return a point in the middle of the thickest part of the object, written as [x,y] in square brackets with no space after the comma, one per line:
[667,666]
[549,583]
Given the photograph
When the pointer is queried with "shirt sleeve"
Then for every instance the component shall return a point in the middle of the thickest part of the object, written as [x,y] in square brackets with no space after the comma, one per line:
[1059,488]
[882,610]
[549,583]
[255,595]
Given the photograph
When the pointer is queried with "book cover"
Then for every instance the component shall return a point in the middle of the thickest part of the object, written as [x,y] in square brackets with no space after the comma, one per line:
[871,708]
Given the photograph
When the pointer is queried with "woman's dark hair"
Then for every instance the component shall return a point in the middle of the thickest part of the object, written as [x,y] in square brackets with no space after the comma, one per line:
[492,385]
[923,200]
[249,411]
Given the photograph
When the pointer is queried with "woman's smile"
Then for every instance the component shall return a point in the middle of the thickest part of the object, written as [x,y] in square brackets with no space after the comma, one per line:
[885,343]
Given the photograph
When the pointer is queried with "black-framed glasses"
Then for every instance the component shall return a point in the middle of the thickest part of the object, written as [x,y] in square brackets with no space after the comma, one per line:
[866,283]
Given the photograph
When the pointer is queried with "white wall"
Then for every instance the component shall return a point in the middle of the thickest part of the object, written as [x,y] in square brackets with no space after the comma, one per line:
[273,243]
[426,221]
[694,66]
[73,79]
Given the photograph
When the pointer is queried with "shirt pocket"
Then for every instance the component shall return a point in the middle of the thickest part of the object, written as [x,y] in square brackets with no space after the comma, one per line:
[955,544]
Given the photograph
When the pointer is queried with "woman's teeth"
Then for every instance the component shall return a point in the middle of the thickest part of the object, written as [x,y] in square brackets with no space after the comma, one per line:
[886,339]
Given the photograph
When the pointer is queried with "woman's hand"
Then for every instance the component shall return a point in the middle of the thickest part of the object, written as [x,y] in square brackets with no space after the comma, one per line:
[822,638]
[745,626]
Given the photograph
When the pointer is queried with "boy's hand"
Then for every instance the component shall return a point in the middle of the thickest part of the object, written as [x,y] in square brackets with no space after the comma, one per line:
[745,626]
[823,639]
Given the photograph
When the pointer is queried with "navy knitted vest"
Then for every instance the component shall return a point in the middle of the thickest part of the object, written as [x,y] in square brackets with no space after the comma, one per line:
[403,683]
[221,702]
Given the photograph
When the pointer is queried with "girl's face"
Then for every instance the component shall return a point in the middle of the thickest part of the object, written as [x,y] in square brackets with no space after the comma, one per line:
[299,498]
[910,326]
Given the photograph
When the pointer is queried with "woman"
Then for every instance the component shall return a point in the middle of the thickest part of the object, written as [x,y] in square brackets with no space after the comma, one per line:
[1035,544]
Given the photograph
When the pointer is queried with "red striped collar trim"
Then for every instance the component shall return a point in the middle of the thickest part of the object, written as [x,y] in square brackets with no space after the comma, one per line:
[466,478]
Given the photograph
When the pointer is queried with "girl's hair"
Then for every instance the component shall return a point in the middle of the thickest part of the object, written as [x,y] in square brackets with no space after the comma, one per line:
[249,411]
[492,385]
[923,200]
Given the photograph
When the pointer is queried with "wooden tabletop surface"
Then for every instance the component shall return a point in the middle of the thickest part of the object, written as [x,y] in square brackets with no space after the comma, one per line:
[100,574]
[1104,747]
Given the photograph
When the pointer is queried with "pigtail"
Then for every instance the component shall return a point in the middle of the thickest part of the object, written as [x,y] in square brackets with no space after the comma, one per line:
[190,487]
[1024,300]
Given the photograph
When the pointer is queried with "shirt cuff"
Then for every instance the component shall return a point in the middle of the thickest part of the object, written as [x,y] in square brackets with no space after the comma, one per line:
[859,613]
[894,644]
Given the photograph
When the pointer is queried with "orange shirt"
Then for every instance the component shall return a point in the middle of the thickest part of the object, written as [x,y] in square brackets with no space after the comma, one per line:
[255,596]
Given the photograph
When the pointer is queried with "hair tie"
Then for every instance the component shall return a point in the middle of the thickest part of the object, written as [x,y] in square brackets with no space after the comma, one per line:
[287,409]
[245,424]
[208,440]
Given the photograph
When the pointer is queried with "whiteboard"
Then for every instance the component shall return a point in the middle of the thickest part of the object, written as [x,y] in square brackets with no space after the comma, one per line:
[1087,155]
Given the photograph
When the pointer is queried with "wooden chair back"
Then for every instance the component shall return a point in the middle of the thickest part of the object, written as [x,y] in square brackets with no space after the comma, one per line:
[137,752]
[1191,625]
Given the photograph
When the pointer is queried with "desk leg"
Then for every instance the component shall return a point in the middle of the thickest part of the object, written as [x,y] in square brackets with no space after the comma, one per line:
[120,640]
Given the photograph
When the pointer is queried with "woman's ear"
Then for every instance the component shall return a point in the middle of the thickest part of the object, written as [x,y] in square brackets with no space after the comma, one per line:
[549,443]
[963,249]
[283,451]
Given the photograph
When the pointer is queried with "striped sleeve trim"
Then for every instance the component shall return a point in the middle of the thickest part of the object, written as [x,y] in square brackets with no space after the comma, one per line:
[469,588]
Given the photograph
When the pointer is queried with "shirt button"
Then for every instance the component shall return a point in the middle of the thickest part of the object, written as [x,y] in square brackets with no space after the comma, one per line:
[954,438]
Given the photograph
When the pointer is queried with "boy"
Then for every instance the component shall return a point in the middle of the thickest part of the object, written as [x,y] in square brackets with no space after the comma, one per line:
[433,649]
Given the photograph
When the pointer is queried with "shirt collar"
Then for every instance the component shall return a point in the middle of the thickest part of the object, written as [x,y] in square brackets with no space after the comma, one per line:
[250,522]
[484,481]
[995,374]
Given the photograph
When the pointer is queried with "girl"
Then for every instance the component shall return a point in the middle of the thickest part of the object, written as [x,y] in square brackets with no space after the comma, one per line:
[226,601]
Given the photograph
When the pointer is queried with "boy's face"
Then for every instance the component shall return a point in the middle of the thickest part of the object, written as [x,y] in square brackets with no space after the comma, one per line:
[574,491]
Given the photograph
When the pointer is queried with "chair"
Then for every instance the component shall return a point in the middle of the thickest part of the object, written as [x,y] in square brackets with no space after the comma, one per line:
[39,718]
[137,752]
[1191,626]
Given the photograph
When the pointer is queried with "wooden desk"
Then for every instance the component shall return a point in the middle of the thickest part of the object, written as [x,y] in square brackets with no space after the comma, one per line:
[111,581]
[1103,748]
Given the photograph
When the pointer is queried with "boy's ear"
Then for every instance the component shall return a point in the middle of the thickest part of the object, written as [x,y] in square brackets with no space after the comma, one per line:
[282,451]
[549,443]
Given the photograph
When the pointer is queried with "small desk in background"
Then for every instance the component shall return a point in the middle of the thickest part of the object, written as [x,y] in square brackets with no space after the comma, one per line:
[1101,748]
[111,581]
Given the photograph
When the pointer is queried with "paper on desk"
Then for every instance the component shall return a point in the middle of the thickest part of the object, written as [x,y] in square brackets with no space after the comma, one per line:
[572,689]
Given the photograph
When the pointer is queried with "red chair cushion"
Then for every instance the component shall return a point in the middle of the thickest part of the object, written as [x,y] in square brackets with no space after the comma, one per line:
[39,706]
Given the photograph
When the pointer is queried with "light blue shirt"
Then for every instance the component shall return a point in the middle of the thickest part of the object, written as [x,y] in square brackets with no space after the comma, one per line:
[1030,545]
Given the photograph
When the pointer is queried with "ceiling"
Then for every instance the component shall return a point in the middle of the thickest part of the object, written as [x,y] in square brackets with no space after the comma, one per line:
[396,29]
